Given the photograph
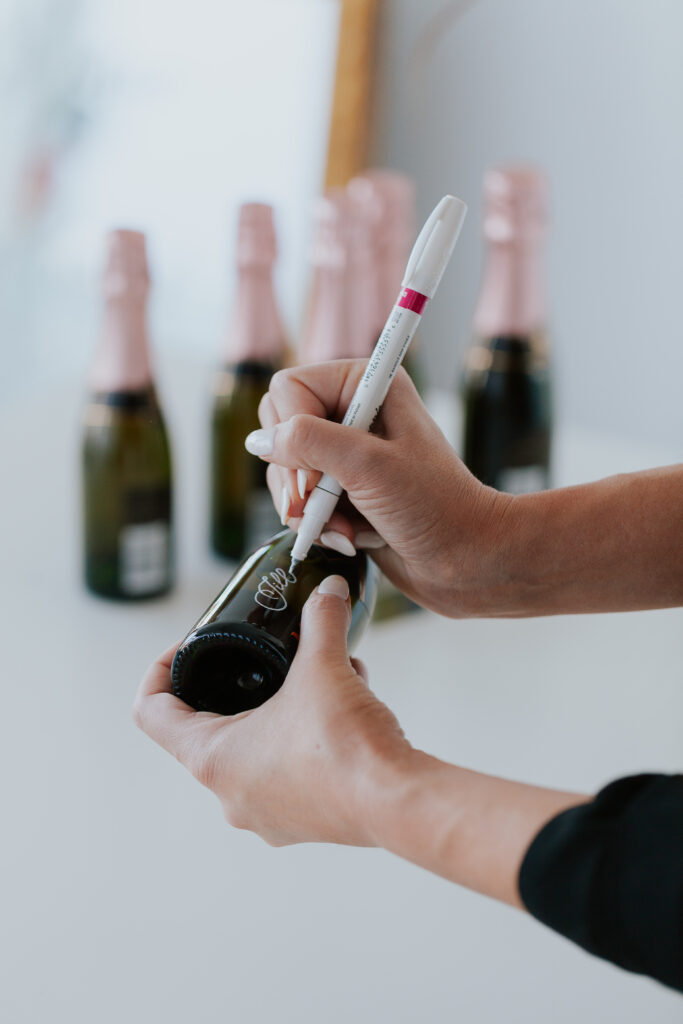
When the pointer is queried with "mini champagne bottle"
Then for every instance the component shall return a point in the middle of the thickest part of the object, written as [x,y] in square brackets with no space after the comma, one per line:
[341,315]
[387,199]
[238,653]
[241,509]
[126,461]
[506,383]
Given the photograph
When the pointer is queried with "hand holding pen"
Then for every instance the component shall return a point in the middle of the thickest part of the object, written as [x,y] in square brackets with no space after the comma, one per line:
[426,265]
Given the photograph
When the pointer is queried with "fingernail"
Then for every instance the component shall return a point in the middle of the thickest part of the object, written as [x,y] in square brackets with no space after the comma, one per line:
[338,542]
[336,586]
[301,482]
[294,523]
[369,540]
[260,442]
[284,506]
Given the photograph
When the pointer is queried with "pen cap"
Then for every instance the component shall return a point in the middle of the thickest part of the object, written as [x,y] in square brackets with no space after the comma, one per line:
[434,246]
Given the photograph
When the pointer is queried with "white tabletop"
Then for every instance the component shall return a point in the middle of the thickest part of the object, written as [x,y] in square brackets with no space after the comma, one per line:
[127,898]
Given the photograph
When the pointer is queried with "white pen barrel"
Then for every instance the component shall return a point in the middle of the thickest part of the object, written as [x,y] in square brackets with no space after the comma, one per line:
[381,369]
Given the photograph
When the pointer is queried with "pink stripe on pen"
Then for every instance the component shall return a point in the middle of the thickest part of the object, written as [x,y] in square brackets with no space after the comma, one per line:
[412,300]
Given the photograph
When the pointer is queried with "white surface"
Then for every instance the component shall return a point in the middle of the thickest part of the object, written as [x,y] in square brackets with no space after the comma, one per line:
[593,91]
[127,898]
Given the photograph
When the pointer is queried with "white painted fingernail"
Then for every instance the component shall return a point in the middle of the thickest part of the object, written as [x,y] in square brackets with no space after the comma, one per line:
[336,586]
[260,442]
[301,482]
[369,540]
[338,542]
[284,506]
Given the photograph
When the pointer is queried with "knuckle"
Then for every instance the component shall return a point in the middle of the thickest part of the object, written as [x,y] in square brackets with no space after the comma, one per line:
[280,383]
[138,713]
[300,432]
[203,764]
[234,812]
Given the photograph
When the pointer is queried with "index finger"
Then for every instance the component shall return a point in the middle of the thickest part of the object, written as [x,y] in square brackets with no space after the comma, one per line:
[165,718]
[321,389]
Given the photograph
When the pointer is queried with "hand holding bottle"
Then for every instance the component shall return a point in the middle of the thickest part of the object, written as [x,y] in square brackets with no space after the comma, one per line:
[432,527]
[302,767]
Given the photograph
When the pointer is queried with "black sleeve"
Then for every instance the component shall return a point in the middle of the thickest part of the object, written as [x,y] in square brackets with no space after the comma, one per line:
[609,875]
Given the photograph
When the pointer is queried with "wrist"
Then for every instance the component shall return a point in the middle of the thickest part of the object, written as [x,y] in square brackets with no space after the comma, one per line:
[489,554]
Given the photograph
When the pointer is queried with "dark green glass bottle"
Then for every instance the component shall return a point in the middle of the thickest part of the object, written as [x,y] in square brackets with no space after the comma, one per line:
[238,653]
[506,384]
[126,461]
[508,414]
[241,509]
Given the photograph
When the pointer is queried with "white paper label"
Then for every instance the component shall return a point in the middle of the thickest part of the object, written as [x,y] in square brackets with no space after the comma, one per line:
[523,479]
[143,557]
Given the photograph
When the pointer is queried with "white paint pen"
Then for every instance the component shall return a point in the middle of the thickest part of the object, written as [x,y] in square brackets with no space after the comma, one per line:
[428,260]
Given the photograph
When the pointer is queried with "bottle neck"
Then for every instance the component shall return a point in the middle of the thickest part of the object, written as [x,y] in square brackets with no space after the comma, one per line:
[512,295]
[325,334]
[254,330]
[122,361]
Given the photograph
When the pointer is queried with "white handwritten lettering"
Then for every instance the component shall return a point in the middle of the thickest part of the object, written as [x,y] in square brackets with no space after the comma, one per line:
[270,591]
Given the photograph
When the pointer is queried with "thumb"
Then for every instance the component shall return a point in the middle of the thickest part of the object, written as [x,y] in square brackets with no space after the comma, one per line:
[325,623]
[312,443]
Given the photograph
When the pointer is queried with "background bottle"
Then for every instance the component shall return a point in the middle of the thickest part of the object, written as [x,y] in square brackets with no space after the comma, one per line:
[238,653]
[242,513]
[126,460]
[342,310]
[506,383]
[387,199]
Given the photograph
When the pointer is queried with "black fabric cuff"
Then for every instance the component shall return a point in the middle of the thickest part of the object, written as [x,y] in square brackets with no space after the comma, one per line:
[609,875]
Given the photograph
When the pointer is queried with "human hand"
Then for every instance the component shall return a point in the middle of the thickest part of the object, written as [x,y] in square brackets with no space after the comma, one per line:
[301,767]
[430,525]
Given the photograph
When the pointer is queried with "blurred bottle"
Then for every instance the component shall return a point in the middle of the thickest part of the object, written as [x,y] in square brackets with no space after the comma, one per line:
[506,383]
[242,513]
[340,321]
[126,457]
[238,653]
[387,200]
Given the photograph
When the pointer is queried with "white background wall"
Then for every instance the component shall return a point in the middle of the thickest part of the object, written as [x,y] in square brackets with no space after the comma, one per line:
[593,91]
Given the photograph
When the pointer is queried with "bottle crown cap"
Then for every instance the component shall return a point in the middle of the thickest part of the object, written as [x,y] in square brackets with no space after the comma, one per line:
[256,241]
[126,271]
[515,203]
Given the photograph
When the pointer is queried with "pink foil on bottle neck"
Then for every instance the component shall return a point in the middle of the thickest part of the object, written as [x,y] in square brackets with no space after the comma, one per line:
[255,332]
[512,294]
[394,228]
[122,359]
[343,307]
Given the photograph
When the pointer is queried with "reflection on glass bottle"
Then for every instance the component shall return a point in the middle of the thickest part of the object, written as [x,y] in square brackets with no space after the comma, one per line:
[506,384]
[238,653]
[126,459]
[242,513]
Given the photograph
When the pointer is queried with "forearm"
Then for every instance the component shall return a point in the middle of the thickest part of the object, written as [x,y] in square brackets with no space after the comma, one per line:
[612,545]
[470,828]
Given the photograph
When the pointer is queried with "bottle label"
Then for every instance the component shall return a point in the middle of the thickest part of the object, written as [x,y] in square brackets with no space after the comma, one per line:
[523,479]
[261,519]
[144,550]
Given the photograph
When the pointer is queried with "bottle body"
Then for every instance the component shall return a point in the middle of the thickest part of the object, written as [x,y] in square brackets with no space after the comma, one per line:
[508,413]
[242,512]
[127,500]
[238,653]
